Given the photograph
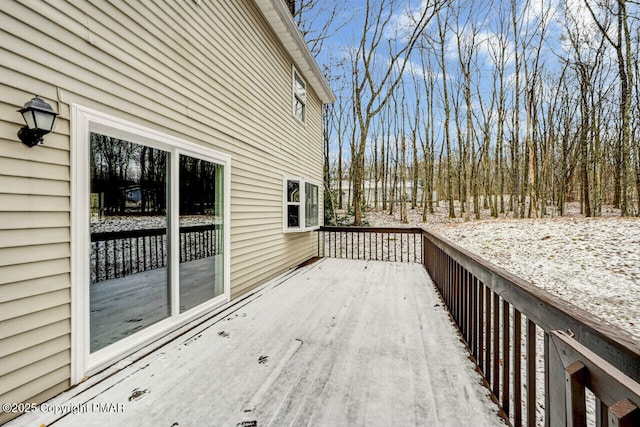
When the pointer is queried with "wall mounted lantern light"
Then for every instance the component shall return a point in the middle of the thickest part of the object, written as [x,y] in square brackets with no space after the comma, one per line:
[39,117]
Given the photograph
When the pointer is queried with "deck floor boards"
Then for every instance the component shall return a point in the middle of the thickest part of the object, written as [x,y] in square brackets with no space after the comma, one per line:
[339,343]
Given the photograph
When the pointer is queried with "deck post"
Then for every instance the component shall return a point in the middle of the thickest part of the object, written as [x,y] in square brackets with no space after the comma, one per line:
[624,413]
[601,414]
[555,396]
[575,377]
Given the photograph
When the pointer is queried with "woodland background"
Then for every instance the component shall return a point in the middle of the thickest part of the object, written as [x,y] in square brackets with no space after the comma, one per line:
[517,106]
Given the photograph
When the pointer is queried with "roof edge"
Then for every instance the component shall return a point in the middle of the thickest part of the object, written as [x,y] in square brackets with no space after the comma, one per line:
[281,22]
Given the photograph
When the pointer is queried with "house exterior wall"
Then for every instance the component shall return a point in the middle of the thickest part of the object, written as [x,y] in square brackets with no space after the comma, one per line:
[212,73]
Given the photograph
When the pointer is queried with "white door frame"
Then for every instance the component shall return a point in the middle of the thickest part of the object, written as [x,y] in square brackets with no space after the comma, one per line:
[84,121]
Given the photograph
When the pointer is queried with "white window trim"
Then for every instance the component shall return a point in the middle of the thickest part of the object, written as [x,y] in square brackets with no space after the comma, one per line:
[83,121]
[302,214]
[295,73]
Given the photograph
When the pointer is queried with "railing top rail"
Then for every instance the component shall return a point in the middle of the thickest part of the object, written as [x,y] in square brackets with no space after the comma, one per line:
[607,382]
[547,311]
[107,235]
[351,229]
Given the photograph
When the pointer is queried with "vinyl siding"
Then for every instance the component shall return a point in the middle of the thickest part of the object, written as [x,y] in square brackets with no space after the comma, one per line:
[18,360]
[213,74]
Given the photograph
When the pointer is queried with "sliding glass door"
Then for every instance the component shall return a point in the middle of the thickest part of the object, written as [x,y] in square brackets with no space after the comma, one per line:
[140,194]
[129,287]
[201,221]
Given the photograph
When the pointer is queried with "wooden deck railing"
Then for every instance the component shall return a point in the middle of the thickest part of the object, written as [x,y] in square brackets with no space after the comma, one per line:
[546,362]
[538,353]
[370,243]
[123,253]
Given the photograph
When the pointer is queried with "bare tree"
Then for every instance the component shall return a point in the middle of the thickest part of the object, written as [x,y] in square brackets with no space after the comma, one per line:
[515,139]
[317,20]
[373,89]
[442,62]
[585,61]
[622,46]
[466,44]
[499,50]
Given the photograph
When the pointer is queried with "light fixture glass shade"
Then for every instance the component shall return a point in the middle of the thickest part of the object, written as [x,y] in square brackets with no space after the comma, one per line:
[44,120]
[38,114]
[29,118]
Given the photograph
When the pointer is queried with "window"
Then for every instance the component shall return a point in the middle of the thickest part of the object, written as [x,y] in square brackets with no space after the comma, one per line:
[311,205]
[150,236]
[299,96]
[293,204]
[301,205]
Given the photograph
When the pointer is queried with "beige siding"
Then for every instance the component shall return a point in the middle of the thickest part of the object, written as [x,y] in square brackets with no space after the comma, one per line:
[10,237]
[44,285]
[26,340]
[38,389]
[16,315]
[213,74]
[19,360]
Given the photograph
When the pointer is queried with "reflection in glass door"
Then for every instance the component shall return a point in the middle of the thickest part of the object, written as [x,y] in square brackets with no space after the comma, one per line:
[132,269]
[129,286]
[201,231]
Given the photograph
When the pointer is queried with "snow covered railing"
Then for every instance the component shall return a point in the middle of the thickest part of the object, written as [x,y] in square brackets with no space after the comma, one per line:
[119,254]
[539,355]
[371,243]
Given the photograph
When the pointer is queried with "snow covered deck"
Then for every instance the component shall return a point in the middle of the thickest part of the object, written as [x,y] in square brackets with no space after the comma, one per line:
[338,342]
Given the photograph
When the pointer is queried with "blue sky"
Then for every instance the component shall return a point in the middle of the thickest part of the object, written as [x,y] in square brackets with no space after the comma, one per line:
[544,26]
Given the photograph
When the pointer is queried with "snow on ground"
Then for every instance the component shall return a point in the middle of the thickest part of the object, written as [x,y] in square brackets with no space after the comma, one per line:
[594,263]
[339,342]
[117,223]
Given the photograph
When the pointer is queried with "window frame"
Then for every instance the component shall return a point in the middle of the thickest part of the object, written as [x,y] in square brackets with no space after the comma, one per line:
[298,204]
[317,205]
[295,99]
[84,121]
[302,221]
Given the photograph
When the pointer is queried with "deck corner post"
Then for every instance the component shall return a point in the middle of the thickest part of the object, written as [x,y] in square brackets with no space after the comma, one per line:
[624,414]
[575,379]
[555,395]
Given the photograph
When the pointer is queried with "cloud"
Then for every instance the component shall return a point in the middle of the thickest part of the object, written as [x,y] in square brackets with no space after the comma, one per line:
[404,20]
[416,69]
[580,29]
[492,44]
[539,11]
[577,10]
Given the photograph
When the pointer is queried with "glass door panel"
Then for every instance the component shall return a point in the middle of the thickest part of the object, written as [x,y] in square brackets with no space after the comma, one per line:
[129,286]
[201,233]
